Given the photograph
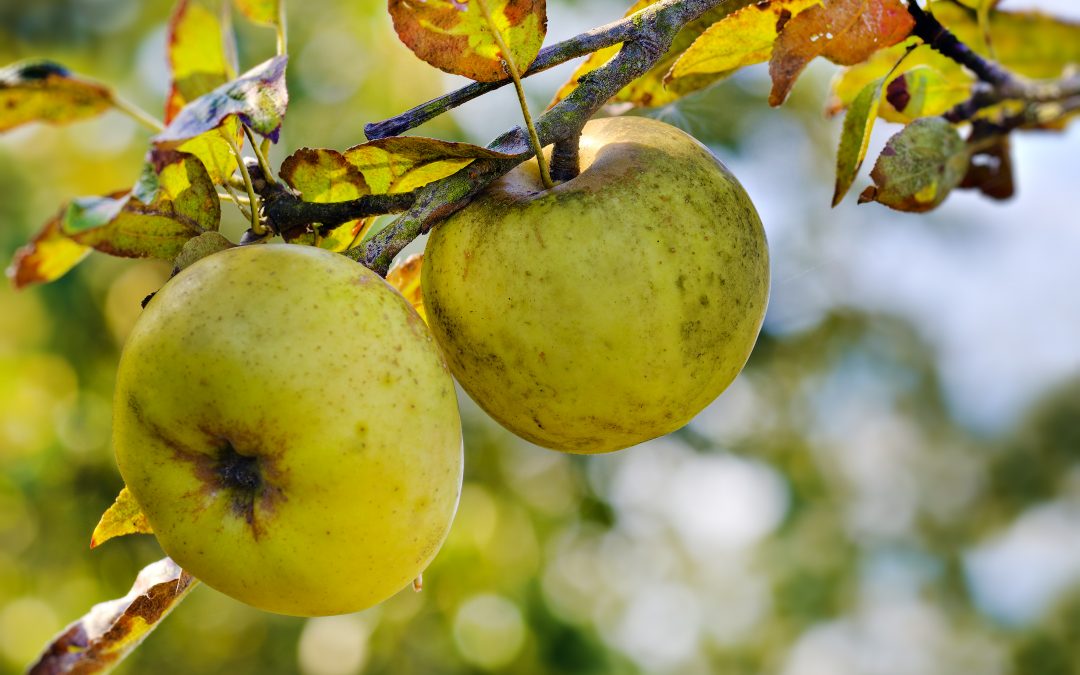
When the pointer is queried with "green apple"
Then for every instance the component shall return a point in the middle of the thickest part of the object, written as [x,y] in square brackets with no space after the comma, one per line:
[610,309]
[287,424]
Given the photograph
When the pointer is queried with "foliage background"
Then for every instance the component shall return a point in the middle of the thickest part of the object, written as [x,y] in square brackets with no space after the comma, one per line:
[892,487]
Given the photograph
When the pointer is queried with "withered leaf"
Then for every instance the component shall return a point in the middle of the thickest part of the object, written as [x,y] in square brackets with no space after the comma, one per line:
[112,630]
[844,31]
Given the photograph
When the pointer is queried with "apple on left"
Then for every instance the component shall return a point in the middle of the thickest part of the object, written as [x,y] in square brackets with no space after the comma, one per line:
[287,424]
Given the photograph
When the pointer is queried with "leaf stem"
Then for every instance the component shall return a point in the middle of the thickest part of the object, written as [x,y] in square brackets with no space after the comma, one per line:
[259,153]
[511,67]
[136,113]
[256,227]
[282,36]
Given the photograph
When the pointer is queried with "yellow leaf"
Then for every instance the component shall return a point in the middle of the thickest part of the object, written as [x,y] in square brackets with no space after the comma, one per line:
[744,38]
[406,278]
[47,257]
[196,51]
[123,517]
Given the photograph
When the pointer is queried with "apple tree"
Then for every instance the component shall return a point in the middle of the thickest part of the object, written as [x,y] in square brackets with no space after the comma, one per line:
[961,76]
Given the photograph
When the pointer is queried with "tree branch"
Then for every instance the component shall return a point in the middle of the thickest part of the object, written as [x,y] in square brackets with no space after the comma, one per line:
[653,30]
[997,83]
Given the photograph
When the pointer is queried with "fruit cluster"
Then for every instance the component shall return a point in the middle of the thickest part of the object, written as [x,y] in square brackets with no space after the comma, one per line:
[289,424]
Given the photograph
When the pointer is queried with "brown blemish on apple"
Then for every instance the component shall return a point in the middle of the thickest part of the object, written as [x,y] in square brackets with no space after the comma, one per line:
[235,466]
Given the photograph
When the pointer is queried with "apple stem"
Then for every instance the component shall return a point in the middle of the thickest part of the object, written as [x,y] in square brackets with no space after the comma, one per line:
[565,159]
[512,69]
[418,583]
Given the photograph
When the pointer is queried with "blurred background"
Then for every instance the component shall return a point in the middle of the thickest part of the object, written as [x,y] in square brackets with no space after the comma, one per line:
[892,487]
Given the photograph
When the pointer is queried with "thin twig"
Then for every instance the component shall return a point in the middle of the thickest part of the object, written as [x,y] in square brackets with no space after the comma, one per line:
[136,113]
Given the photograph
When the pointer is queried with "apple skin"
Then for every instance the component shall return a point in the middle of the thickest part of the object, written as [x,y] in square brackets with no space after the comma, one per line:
[289,428]
[610,309]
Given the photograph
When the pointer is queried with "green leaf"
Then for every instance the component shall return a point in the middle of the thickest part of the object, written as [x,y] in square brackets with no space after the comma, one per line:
[197,248]
[198,56]
[855,137]
[322,175]
[173,201]
[404,163]
[919,166]
[123,517]
[456,36]
[258,98]
[266,12]
[48,256]
[112,630]
[741,39]
[42,91]
[844,31]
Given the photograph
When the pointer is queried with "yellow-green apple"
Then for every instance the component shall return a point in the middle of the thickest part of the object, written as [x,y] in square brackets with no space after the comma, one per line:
[610,309]
[288,426]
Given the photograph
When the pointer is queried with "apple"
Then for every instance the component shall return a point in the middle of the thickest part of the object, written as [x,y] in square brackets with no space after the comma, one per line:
[287,424]
[611,308]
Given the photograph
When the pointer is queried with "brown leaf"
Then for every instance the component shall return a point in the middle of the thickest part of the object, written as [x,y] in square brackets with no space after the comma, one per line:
[844,31]
[111,630]
[123,517]
[991,171]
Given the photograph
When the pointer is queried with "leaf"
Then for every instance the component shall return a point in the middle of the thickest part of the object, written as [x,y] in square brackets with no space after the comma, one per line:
[844,31]
[322,175]
[406,278]
[258,98]
[214,151]
[923,92]
[1033,44]
[918,167]
[196,52]
[43,91]
[650,89]
[991,171]
[741,39]
[855,137]
[404,163]
[47,257]
[111,630]
[456,37]
[173,201]
[123,517]
[197,248]
[267,12]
